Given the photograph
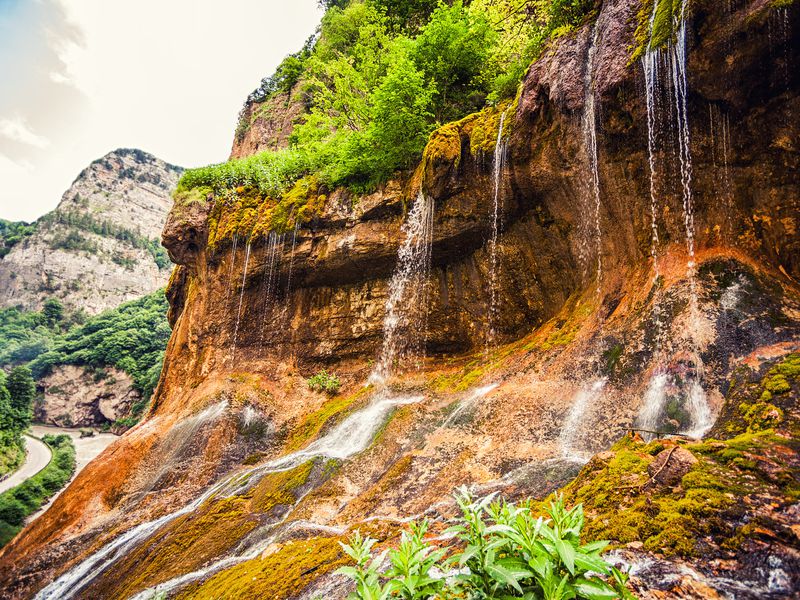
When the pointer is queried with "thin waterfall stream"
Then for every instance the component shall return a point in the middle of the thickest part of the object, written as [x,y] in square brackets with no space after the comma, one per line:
[674,60]
[406,305]
[591,390]
[241,299]
[499,159]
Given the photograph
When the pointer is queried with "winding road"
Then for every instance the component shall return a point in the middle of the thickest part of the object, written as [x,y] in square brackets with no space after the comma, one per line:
[37,455]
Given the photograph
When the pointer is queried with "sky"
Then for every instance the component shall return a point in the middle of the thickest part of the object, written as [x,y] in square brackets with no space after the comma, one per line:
[80,78]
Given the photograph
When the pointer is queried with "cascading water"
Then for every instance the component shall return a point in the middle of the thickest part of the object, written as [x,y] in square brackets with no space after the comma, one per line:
[348,438]
[590,143]
[406,306]
[241,298]
[674,60]
[407,297]
[585,398]
[499,159]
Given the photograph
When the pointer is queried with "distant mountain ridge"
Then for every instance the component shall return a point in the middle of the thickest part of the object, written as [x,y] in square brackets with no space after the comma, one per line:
[100,246]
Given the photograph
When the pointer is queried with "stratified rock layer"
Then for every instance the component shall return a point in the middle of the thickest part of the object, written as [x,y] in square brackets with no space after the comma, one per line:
[255,315]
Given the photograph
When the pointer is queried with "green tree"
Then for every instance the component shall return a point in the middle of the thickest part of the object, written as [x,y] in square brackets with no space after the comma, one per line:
[451,51]
[53,311]
[22,391]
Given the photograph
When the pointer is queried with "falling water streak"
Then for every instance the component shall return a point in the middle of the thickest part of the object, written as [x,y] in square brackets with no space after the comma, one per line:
[241,298]
[590,141]
[675,56]
[285,310]
[585,397]
[272,265]
[679,85]
[499,152]
[729,199]
[650,66]
[407,299]
[230,269]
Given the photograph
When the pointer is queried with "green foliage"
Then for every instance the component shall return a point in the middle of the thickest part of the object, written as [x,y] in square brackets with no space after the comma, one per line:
[21,393]
[506,552]
[53,311]
[324,382]
[12,233]
[131,337]
[379,77]
[19,502]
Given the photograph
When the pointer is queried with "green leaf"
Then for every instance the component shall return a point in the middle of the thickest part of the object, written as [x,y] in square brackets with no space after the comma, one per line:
[503,575]
[567,554]
[591,563]
[594,589]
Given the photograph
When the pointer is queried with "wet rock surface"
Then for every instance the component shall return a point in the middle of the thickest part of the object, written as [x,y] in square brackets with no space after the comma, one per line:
[254,317]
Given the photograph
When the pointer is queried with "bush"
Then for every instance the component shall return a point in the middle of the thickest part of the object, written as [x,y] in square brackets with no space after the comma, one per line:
[324,382]
[506,553]
[12,511]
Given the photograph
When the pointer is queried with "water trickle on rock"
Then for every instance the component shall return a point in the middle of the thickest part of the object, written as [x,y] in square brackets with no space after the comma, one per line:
[499,159]
[241,299]
[673,59]
[407,303]
[587,396]
[589,124]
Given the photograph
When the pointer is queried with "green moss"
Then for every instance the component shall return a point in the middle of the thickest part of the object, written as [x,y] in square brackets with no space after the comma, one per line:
[283,573]
[777,384]
[623,504]
[656,31]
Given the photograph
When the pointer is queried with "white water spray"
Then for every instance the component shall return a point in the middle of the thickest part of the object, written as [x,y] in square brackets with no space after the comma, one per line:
[499,158]
[406,307]
[584,399]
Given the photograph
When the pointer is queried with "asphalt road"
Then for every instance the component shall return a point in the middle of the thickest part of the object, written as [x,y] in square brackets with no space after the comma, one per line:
[37,455]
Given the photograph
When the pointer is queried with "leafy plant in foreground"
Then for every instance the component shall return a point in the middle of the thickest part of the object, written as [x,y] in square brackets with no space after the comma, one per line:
[506,553]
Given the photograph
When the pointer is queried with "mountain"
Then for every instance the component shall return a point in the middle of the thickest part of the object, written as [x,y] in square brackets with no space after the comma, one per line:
[591,286]
[99,247]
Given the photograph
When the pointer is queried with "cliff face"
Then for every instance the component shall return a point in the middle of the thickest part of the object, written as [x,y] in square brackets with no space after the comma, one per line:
[543,347]
[267,125]
[97,248]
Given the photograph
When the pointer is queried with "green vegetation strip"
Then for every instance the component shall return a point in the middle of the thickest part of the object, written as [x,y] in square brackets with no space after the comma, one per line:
[18,503]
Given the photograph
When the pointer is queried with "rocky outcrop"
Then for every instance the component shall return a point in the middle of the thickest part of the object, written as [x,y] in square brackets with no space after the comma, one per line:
[572,359]
[99,247]
[75,396]
[267,125]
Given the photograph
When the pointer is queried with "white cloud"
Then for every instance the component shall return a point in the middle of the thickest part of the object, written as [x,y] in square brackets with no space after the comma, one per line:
[17,130]
[91,76]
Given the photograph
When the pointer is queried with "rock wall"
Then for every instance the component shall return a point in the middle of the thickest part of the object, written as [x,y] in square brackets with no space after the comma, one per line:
[267,125]
[90,251]
[75,396]
[254,315]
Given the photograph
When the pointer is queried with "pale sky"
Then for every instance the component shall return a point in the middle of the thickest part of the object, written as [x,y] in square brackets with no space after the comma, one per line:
[79,78]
